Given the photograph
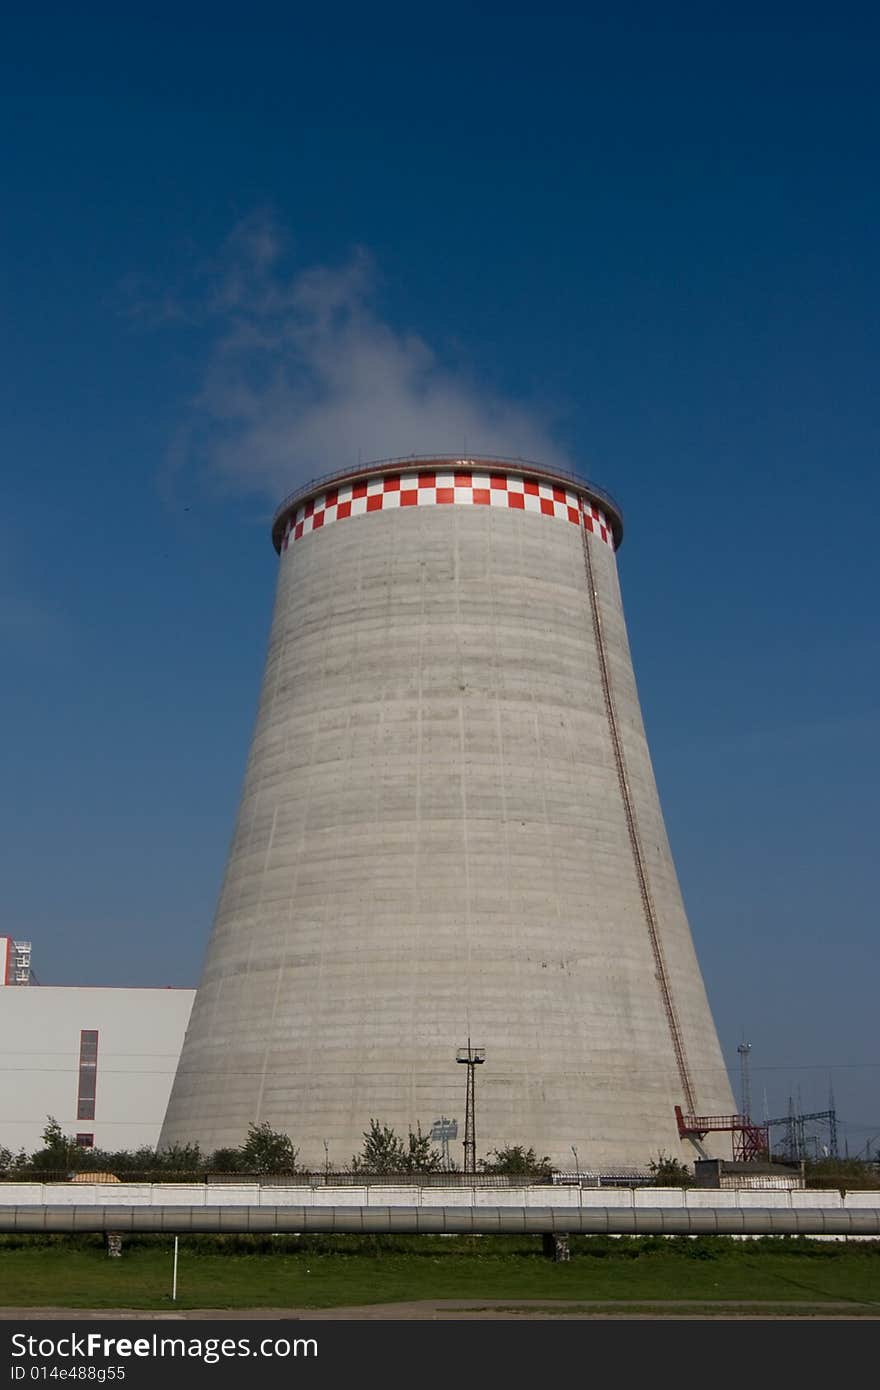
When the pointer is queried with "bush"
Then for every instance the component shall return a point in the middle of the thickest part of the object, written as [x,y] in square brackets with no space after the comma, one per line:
[267,1150]
[670,1172]
[225,1161]
[384,1152]
[517,1161]
[180,1158]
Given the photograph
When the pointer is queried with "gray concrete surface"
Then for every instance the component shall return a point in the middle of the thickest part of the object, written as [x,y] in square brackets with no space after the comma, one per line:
[431,844]
[383,1194]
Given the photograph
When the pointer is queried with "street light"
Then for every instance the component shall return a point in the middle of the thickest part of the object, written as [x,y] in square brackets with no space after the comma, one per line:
[470,1057]
[576,1164]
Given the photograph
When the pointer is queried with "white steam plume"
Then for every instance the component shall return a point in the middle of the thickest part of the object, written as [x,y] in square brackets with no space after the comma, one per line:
[305,378]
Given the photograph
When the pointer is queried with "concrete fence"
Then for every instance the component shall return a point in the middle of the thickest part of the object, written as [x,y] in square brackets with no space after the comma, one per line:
[249,1195]
[78,1208]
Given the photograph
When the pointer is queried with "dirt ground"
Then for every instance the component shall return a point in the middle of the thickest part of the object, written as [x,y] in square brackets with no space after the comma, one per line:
[465,1309]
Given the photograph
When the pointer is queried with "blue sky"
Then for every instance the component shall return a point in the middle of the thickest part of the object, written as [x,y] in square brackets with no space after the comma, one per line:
[239,247]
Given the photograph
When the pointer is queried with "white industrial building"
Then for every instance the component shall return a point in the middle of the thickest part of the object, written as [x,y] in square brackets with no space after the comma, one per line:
[100,1061]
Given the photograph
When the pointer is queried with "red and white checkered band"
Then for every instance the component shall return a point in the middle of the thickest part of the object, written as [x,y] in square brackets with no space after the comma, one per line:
[468,488]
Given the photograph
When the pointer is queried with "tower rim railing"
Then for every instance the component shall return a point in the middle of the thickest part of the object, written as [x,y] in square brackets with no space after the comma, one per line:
[367,470]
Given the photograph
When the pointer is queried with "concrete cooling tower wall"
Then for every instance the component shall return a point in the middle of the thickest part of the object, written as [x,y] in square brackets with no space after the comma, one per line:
[450,828]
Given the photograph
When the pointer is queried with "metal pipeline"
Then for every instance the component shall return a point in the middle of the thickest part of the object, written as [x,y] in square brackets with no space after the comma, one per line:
[262,1220]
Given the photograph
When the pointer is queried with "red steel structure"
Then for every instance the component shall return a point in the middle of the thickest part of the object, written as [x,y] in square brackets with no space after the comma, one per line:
[750,1142]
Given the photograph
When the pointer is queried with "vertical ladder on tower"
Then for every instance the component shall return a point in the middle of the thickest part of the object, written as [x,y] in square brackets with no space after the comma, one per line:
[633,831]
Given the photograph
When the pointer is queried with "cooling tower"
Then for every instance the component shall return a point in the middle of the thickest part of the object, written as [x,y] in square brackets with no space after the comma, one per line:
[450,829]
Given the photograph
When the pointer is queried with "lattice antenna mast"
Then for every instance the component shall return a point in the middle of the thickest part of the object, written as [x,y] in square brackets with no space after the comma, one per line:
[470,1057]
[745,1088]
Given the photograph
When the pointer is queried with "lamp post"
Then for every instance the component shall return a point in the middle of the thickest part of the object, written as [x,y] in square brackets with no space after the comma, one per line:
[576,1164]
[470,1057]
